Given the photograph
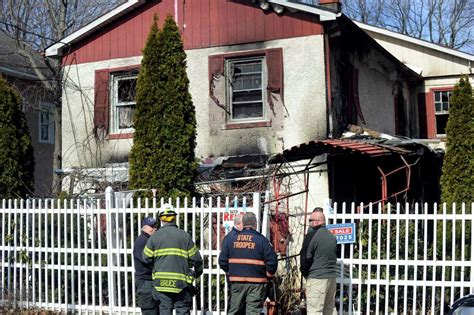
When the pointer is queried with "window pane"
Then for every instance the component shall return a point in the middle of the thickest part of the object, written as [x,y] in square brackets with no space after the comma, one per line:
[126,90]
[245,96]
[44,132]
[444,96]
[445,106]
[437,107]
[44,117]
[247,89]
[441,122]
[125,116]
[437,96]
[242,111]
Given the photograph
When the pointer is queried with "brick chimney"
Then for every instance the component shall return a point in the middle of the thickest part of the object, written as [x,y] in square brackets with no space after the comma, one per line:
[331,4]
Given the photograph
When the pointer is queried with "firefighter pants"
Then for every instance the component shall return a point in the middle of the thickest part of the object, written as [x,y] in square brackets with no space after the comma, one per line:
[320,294]
[246,298]
[144,295]
[181,302]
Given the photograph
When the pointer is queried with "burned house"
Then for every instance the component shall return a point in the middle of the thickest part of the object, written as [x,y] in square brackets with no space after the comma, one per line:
[265,77]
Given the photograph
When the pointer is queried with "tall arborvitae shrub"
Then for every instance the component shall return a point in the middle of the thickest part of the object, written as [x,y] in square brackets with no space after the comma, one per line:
[457,180]
[16,151]
[162,155]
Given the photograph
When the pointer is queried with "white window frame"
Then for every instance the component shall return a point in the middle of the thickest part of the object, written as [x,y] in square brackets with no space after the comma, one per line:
[229,90]
[46,110]
[115,78]
[441,112]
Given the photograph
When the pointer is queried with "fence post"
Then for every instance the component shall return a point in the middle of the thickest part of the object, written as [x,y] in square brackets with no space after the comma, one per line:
[471,258]
[109,203]
[265,226]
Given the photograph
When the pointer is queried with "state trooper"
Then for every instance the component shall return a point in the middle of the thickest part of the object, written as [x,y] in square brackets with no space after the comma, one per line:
[249,260]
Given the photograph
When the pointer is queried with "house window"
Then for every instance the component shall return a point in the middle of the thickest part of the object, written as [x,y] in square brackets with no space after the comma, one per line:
[123,101]
[246,93]
[46,124]
[441,103]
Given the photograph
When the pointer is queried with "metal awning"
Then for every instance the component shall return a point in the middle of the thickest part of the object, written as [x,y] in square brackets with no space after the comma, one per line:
[311,149]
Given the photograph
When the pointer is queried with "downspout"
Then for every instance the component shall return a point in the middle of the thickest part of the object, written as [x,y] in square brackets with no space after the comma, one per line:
[176,12]
[327,54]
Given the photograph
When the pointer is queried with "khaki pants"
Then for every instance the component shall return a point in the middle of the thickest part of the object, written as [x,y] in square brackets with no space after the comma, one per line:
[320,294]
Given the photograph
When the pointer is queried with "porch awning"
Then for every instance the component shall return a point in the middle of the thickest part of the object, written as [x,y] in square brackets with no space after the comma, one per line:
[311,149]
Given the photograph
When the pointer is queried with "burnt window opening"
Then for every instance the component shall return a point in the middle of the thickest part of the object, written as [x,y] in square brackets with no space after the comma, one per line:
[245,90]
[441,105]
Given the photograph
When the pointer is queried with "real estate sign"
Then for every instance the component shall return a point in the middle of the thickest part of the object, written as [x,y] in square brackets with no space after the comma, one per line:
[344,232]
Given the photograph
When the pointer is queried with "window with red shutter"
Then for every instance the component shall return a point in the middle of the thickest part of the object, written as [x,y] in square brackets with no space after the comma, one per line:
[114,101]
[253,80]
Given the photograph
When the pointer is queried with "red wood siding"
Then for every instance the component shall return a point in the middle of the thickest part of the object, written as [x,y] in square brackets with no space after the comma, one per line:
[204,23]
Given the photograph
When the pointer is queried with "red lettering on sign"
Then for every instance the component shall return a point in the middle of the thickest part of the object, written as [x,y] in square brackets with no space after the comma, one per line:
[347,230]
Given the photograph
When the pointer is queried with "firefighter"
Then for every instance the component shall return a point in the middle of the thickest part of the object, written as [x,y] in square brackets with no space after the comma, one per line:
[173,253]
[249,260]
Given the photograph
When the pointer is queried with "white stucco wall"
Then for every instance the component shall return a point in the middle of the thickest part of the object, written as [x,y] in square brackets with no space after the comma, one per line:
[302,117]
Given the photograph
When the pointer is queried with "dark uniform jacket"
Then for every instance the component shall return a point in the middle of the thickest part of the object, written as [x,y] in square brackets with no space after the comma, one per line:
[142,268]
[173,253]
[247,256]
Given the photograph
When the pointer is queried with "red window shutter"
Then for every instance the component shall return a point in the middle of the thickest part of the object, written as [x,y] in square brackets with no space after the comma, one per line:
[422,124]
[216,70]
[274,58]
[101,102]
[430,115]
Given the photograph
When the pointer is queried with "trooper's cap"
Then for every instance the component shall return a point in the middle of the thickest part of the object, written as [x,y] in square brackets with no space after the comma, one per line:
[149,221]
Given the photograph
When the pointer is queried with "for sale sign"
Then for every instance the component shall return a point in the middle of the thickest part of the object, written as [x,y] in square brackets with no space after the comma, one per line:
[344,233]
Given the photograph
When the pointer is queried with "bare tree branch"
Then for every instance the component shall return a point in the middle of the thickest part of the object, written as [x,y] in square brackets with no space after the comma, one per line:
[445,22]
[35,25]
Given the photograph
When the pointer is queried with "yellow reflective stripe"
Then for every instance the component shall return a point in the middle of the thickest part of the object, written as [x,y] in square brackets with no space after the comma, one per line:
[166,289]
[148,252]
[170,275]
[171,254]
[171,250]
[192,251]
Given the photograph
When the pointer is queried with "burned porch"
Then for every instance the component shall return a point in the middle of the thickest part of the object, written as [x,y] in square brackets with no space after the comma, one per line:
[363,169]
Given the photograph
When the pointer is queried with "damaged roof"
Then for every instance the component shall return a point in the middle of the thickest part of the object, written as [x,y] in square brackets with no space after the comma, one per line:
[365,147]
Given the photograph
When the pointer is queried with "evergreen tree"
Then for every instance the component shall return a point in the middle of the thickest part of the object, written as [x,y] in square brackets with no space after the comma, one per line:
[457,180]
[16,151]
[162,155]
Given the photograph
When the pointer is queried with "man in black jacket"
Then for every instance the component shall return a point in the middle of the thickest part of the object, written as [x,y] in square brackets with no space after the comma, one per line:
[318,265]
[143,270]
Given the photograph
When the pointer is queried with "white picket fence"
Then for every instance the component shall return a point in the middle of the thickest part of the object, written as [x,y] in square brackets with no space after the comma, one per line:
[76,256]
[422,272]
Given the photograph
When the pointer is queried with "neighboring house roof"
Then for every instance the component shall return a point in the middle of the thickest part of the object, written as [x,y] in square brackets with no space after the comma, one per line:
[13,63]
[414,40]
